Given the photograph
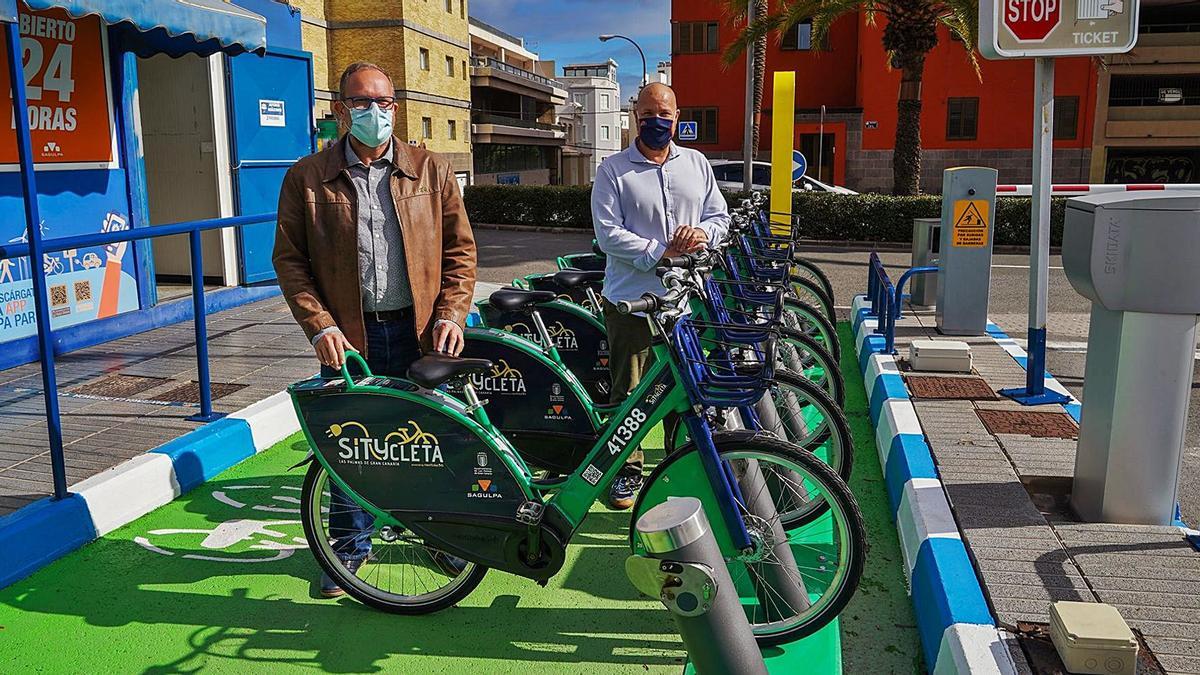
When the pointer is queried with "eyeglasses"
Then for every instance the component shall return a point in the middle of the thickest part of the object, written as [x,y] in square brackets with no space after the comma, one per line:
[364,102]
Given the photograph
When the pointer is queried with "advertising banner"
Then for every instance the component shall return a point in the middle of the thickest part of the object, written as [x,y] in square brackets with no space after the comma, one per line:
[84,284]
[66,82]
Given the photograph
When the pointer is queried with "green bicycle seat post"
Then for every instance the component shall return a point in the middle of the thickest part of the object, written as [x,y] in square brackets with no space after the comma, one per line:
[475,406]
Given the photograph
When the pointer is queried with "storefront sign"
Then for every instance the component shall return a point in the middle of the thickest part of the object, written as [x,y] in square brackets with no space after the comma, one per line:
[66,83]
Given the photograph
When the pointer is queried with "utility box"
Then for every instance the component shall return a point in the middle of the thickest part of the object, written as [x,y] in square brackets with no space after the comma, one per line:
[965,260]
[926,244]
[940,356]
[1135,256]
[1091,637]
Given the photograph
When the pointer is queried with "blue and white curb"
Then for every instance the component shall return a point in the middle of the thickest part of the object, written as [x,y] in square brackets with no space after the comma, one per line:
[1073,407]
[46,530]
[957,630]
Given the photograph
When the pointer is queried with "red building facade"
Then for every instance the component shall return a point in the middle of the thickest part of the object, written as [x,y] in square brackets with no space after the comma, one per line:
[965,119]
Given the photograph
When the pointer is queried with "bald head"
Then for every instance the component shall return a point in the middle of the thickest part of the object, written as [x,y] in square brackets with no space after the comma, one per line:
[656,93]
[657,100]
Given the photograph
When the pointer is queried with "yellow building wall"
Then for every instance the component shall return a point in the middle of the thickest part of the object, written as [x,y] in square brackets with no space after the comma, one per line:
[396,49]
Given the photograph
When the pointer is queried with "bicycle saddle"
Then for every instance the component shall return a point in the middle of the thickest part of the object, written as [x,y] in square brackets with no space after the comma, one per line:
[573,278]
[509,299]
[433,370]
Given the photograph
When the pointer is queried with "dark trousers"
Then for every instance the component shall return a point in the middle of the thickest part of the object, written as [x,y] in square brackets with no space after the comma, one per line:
[628,357]
[392,346]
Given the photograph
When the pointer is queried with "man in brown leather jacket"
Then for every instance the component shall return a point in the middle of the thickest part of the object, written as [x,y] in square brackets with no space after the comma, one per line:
[374,253]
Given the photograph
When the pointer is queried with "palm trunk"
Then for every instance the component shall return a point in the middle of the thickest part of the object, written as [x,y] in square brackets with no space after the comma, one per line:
[760,75]
[906,160]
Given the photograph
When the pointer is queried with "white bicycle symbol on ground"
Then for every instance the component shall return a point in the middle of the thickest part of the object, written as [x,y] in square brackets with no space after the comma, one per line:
[242,540]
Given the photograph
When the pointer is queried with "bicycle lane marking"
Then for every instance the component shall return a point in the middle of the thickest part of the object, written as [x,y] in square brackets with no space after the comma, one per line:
[203,606]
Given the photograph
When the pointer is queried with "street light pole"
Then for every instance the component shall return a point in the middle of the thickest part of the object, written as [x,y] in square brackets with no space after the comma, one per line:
[748,134]
[606,37]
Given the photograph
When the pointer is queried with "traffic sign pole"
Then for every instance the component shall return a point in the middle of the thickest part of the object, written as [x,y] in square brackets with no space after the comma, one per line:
[1035,392]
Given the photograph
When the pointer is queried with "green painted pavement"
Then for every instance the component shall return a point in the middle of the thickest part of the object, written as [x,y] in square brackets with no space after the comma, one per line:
[212,581]
[879,631]
[118,606]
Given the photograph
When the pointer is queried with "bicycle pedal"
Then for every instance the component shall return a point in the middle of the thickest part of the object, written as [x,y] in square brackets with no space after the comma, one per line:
[530,513]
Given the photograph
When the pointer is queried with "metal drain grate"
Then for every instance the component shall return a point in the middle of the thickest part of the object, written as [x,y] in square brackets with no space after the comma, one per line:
[119,386]
[1029,423]
[190,392]
[961,388]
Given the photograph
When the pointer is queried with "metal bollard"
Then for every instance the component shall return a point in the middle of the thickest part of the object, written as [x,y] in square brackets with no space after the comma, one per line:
[687,572]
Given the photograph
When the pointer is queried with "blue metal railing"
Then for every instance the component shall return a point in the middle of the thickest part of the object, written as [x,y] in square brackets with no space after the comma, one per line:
[36,248]
[887,300]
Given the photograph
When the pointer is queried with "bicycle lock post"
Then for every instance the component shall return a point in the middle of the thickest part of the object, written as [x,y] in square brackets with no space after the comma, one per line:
[687,573]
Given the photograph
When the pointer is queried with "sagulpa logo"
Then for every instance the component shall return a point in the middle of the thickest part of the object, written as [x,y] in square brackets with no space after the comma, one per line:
[51,149]
[484,489]
[408,445]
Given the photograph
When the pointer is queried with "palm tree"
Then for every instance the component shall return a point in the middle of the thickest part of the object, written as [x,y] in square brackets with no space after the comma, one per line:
[909,34]
[760,73]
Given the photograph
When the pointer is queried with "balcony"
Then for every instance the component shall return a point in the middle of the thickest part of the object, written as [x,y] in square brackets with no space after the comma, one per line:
[489,127]
[489,72]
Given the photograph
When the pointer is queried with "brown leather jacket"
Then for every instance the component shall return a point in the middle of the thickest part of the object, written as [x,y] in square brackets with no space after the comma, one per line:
[316,244]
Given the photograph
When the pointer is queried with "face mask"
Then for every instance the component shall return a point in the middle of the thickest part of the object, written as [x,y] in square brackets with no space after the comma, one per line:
[372,127]
[655,132]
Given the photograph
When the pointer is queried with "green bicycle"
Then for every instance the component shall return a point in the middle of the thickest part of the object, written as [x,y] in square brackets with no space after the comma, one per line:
[440,479]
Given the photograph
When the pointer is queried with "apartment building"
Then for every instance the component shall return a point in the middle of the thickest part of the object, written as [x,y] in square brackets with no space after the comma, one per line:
[516,137]
[425,47]
[594,90]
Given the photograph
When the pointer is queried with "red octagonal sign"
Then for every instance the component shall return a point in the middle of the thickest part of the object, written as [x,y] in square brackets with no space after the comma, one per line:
[1031,20]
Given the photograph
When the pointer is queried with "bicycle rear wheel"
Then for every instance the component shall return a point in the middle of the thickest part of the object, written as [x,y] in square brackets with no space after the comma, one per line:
[793,580]
[400,575]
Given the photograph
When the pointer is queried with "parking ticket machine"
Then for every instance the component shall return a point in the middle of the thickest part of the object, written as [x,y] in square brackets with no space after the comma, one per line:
[1136,256]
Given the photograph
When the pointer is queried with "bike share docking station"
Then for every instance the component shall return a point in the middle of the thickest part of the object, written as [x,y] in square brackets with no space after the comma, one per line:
[962,241]
[1134,256]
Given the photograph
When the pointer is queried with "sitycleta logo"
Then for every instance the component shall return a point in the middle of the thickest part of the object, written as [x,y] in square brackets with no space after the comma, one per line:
[406,446]
[563,337]
[484,488]
[502,379]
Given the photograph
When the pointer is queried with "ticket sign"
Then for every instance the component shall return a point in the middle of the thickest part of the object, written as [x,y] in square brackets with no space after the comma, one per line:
[66,83]
[1033,28]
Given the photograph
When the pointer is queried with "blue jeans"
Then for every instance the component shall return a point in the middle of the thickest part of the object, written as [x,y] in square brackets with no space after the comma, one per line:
[392,346]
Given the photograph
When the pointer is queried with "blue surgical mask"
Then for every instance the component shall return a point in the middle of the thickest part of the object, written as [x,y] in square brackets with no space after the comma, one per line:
[372,127]
[655,132]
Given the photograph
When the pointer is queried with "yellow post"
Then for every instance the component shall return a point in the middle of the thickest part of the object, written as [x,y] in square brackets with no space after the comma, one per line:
[783,116]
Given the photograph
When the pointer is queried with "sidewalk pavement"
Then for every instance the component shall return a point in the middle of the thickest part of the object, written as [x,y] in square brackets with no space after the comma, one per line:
[1007,494]
[122,398]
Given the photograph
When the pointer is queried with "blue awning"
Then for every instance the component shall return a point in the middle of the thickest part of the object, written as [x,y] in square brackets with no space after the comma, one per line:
[173,27]
[8,10]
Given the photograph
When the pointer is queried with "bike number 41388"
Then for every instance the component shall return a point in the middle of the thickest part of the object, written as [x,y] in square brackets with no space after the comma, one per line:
[624,433]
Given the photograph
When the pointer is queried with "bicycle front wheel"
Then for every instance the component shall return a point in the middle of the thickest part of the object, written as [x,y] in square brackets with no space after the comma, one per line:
[804,318]
[399,574]
[792,581]
[802,354]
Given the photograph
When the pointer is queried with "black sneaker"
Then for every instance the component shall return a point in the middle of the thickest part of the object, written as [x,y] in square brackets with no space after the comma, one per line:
[330,588]
[623,491]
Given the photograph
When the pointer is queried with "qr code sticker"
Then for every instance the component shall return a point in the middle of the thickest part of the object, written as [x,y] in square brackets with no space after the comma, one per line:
[58,295]
[83,291]
[592,475]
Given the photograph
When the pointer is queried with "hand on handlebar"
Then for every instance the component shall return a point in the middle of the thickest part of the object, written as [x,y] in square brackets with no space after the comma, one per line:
[688,239]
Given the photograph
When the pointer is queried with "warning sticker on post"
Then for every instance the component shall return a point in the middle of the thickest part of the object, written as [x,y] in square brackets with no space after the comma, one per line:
[970,223]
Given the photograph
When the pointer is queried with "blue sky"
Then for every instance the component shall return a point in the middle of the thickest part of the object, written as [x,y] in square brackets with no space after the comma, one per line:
[566,31]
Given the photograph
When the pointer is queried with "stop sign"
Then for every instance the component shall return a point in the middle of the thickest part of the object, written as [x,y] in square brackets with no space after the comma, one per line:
[1031,20]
